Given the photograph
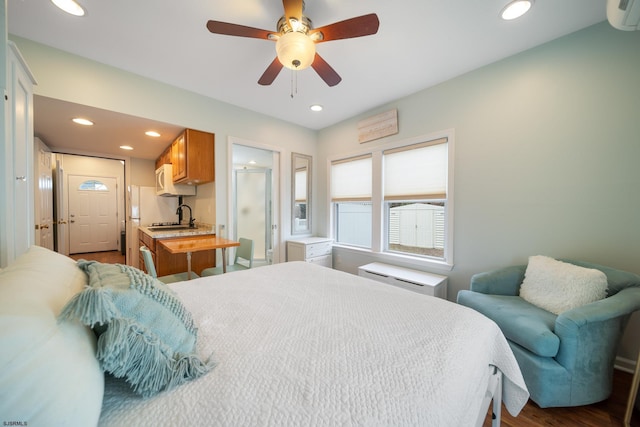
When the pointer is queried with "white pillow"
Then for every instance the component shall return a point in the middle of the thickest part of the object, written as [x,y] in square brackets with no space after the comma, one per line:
[49,374]
[558,286]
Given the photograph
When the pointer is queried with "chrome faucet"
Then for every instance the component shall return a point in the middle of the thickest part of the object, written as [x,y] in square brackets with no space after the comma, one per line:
[191,218]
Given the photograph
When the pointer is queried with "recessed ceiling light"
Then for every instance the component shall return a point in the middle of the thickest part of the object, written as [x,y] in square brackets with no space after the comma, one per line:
[316,107]
[152,133]
[126,147]
[515,9]
[69,6]
[82,121]
[252,162]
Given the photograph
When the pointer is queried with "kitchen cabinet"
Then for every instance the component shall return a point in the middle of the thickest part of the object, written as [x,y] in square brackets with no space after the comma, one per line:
[179,157]
[165,157]
[167,263]
[192,157]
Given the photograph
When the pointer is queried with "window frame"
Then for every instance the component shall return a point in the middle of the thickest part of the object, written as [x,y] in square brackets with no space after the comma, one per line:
[379,237]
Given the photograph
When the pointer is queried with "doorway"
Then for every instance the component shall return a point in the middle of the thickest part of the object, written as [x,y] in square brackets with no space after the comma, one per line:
[254,199]
[89,192]
[93,214]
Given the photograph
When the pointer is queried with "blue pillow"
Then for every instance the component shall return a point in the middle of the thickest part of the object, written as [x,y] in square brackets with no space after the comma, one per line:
[145,334]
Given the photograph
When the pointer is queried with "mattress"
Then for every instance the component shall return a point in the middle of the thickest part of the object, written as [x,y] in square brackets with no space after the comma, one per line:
[299,344]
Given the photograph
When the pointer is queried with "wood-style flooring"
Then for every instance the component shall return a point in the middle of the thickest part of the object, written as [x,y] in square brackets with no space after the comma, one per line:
[609,413]
[111,257]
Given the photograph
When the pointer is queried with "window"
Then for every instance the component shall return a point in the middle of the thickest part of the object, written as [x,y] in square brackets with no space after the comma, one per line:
[415,195]
[93,185]
[404,191]
[351,186]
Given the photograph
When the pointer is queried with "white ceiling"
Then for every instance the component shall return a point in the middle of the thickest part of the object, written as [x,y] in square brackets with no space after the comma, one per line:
[420,43]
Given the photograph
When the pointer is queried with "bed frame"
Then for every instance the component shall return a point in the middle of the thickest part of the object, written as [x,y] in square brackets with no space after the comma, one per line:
[493,394]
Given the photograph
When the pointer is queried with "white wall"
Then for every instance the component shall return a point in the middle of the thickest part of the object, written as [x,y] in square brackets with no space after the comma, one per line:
[547,152]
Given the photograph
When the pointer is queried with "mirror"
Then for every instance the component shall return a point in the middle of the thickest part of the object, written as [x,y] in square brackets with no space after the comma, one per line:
[300,194]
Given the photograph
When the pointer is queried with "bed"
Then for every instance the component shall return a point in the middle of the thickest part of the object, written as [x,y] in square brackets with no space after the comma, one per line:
[287,344]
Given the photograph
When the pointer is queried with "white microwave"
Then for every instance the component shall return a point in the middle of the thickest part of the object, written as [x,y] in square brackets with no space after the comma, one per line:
[166,187]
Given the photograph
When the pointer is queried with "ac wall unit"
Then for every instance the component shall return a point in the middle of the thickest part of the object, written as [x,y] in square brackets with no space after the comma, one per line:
[624,14]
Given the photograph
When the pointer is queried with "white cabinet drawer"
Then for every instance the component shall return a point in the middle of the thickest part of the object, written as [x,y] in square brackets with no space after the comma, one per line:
[318,249]
[324,261]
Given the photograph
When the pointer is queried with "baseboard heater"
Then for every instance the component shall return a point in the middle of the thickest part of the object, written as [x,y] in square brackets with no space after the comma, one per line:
[407,278]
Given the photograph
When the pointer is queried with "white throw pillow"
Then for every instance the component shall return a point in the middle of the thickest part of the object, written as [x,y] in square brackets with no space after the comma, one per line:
[558,286]
[49,374]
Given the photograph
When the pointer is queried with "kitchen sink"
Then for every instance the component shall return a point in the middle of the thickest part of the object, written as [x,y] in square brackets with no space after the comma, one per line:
[169,227]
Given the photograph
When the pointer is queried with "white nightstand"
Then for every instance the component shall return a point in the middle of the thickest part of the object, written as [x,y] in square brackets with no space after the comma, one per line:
[316,250]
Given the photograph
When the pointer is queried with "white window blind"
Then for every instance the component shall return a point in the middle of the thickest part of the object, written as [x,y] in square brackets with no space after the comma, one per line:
[351,179]
[416,172]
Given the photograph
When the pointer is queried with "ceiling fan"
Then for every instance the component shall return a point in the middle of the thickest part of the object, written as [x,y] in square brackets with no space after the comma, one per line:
[296,39]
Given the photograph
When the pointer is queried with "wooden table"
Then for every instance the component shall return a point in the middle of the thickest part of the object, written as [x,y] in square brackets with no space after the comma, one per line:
[187,245]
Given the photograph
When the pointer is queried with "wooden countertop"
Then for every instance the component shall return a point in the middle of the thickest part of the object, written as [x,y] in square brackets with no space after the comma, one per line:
[185,244]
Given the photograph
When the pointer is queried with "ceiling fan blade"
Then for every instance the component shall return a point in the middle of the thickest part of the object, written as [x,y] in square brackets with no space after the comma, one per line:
[364,25]
[271,73]
[228,29]
[292,9]
[325,71]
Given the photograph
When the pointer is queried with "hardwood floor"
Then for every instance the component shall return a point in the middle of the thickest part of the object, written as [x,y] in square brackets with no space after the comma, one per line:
[609,413]
[111,257]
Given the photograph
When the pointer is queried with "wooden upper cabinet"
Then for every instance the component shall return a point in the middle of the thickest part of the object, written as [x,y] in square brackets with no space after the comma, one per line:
[179,157]
[165,157]
[192,156]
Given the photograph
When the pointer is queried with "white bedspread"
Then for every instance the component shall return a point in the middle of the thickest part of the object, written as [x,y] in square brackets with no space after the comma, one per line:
[297,344]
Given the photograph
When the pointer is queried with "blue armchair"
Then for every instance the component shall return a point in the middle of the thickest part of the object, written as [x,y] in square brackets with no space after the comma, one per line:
[565,359]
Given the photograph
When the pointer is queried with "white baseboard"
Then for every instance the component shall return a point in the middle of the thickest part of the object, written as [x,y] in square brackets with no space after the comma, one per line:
[625,365]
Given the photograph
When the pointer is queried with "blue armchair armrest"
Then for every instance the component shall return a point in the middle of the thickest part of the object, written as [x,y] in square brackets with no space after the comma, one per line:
[589,334]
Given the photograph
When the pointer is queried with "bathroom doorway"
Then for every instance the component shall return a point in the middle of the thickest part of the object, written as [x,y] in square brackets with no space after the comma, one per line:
[255,200]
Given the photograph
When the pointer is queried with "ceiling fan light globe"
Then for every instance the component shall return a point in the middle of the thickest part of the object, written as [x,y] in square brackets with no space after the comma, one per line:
[295,50]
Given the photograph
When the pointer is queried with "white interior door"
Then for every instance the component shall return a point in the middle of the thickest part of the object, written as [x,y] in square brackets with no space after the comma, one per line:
[93,220]
[20,213]
[275,208]
[61,233]
[44,197]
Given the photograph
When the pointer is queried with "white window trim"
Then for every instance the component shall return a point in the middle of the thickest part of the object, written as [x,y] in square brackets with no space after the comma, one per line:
[377,239]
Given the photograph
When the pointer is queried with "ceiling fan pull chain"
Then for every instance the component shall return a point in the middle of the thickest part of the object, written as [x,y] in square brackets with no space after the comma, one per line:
[294,83]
